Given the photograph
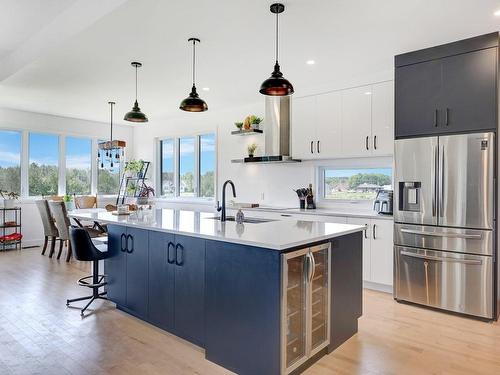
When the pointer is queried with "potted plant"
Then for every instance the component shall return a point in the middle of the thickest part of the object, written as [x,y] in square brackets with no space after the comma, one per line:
[251,149]
[239,125]
[135,166]
[68,202]
[131,189]
[255,122]
[9,197]
[144,195]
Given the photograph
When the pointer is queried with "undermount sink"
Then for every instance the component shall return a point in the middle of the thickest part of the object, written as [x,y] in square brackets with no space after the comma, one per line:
[250,220]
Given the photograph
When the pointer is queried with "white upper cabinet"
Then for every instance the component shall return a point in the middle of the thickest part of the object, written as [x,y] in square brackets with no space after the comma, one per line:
[303,125]
[383,118]
[329,125]
[356,121]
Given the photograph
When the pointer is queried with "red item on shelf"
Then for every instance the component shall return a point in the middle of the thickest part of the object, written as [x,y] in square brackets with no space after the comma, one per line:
[11,237]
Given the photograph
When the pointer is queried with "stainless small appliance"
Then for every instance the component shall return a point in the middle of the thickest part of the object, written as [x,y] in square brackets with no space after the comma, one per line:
[445,224]
[383,202]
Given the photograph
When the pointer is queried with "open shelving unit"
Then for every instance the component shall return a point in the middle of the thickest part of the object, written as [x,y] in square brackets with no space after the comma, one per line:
[11,221]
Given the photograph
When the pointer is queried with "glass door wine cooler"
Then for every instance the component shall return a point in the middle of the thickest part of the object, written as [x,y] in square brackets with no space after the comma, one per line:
[305,305]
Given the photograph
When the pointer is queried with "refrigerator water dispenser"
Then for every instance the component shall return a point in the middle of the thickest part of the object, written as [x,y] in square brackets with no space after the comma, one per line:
[409,196]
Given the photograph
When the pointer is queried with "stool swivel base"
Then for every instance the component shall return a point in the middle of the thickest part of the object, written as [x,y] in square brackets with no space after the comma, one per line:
[97,281]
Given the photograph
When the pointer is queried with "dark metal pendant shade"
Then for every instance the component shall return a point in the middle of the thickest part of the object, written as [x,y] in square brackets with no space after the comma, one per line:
[193,103]
[276,85]
[135,115]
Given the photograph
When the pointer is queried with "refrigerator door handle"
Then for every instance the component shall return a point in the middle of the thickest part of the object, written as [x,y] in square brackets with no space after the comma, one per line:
[434,171]
[441,185]
[449,235]
[442,259]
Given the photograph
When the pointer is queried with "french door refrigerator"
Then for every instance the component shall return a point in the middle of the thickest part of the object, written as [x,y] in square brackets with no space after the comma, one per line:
[305,305]
[444,222]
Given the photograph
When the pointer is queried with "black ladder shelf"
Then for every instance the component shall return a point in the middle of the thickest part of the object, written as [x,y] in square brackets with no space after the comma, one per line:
[136,181]
[7,224]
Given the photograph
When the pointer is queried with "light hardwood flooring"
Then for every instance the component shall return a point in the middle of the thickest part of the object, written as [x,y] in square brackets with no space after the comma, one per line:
[39,335]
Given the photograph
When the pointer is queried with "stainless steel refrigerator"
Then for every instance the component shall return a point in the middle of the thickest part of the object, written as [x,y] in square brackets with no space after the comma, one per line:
[445,220]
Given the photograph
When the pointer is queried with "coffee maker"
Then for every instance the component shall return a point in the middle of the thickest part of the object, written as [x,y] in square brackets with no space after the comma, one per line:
[383,202]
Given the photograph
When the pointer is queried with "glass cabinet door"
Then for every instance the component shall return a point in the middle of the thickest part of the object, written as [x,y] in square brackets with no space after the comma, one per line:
[320,297]
[295,294]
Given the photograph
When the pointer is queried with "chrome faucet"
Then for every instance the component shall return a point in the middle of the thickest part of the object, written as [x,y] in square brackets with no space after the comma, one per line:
[222,208]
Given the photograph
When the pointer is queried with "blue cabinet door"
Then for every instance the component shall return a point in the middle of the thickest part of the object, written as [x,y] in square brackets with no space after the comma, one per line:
[137,272]
[115,265]
[161,279]
[190,289]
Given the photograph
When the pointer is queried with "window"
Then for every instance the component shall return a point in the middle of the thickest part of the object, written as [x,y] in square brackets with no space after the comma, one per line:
[356,184]
[108,179]
[207,165]
[78,165]
[10,161]
[43,171]
[187,166]
[167,168]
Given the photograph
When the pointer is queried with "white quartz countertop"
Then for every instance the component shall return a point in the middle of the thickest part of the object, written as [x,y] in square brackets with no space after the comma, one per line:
[277,235]
[348,212]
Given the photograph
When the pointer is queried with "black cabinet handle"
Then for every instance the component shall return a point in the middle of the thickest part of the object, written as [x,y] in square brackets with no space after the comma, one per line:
[170,260]
[366,143]
[374,235]
[122,246]
[375,142]
[447,117]
[435,118]
[131,249]
[366,231]
[318,148]
[177,261]
[312,142]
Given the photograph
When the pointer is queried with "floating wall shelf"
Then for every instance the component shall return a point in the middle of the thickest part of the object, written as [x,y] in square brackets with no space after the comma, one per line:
[247,132]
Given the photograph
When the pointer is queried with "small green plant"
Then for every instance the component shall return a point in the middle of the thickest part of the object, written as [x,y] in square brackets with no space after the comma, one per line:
[67,198]
[131,189]
[134,166]
[255,120]
[251,149]
[9,194]
[239,125]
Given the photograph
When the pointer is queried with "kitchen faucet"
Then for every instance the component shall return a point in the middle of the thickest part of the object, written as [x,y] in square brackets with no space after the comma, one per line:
[222,208]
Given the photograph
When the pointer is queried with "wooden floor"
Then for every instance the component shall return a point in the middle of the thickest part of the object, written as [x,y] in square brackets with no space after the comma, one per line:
[39,335]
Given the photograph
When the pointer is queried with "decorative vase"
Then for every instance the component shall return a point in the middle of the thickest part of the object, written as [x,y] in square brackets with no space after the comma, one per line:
[70,206]
[8,203]
[142,201]
[250,155]
[255,126]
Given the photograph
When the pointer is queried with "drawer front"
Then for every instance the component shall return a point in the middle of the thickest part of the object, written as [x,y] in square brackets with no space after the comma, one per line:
[457,282]
[470,241]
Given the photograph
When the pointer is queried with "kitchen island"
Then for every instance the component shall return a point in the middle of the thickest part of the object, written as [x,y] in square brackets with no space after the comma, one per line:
[263,297]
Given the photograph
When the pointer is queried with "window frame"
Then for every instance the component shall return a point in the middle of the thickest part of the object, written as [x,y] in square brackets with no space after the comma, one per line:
[372,163]
[176,153]
[22,141]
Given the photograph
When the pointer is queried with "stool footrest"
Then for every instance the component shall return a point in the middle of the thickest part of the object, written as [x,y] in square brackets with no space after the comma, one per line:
[83,281]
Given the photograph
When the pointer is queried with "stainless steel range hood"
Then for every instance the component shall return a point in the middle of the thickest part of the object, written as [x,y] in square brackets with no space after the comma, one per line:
[278,146]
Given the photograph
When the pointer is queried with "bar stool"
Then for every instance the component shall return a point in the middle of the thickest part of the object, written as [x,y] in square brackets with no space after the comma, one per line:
[84,250]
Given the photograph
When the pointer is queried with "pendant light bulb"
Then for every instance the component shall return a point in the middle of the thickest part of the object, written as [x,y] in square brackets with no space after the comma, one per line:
[193,103]
[276,85]
[135,115]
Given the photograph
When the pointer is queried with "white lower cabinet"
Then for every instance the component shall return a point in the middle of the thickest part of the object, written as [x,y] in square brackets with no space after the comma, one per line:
[377,250]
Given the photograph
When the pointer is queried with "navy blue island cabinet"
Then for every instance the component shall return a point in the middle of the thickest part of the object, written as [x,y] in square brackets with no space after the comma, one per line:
[227,297]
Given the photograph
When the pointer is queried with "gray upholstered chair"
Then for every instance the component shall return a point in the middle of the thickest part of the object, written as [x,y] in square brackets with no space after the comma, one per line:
[49,228]
[63,223]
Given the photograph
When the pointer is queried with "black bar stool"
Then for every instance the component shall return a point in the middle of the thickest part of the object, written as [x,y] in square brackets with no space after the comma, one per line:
[85,250]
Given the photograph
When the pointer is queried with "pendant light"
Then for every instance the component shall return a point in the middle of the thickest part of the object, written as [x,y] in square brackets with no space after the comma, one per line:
[193,103]
[135,115]
[276,85]
[110,151]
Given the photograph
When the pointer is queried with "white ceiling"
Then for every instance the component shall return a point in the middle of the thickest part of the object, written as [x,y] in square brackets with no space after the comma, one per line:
[76,76]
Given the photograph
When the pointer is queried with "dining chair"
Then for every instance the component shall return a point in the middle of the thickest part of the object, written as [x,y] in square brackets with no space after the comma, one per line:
[63,223]
[49,227]
[85,201]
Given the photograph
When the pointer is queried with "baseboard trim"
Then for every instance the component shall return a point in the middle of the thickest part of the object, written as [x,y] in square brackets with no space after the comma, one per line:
[378,287]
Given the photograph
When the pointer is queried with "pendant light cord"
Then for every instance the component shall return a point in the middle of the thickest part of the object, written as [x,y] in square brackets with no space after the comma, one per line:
[136,83]
[111,104]
[277,37]
[194,59]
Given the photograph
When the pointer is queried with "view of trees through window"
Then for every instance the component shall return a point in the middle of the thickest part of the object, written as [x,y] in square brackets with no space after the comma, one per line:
[192,161]
[356,184]
[207,165]
[10,161]
[43,169]
[78,165]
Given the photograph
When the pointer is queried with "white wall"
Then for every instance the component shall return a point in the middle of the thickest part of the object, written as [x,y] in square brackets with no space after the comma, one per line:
[21,120]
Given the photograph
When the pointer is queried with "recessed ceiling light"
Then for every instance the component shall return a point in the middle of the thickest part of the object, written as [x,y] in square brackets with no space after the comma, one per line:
[206,88]
[497,13]
[368,93]
[310,62]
